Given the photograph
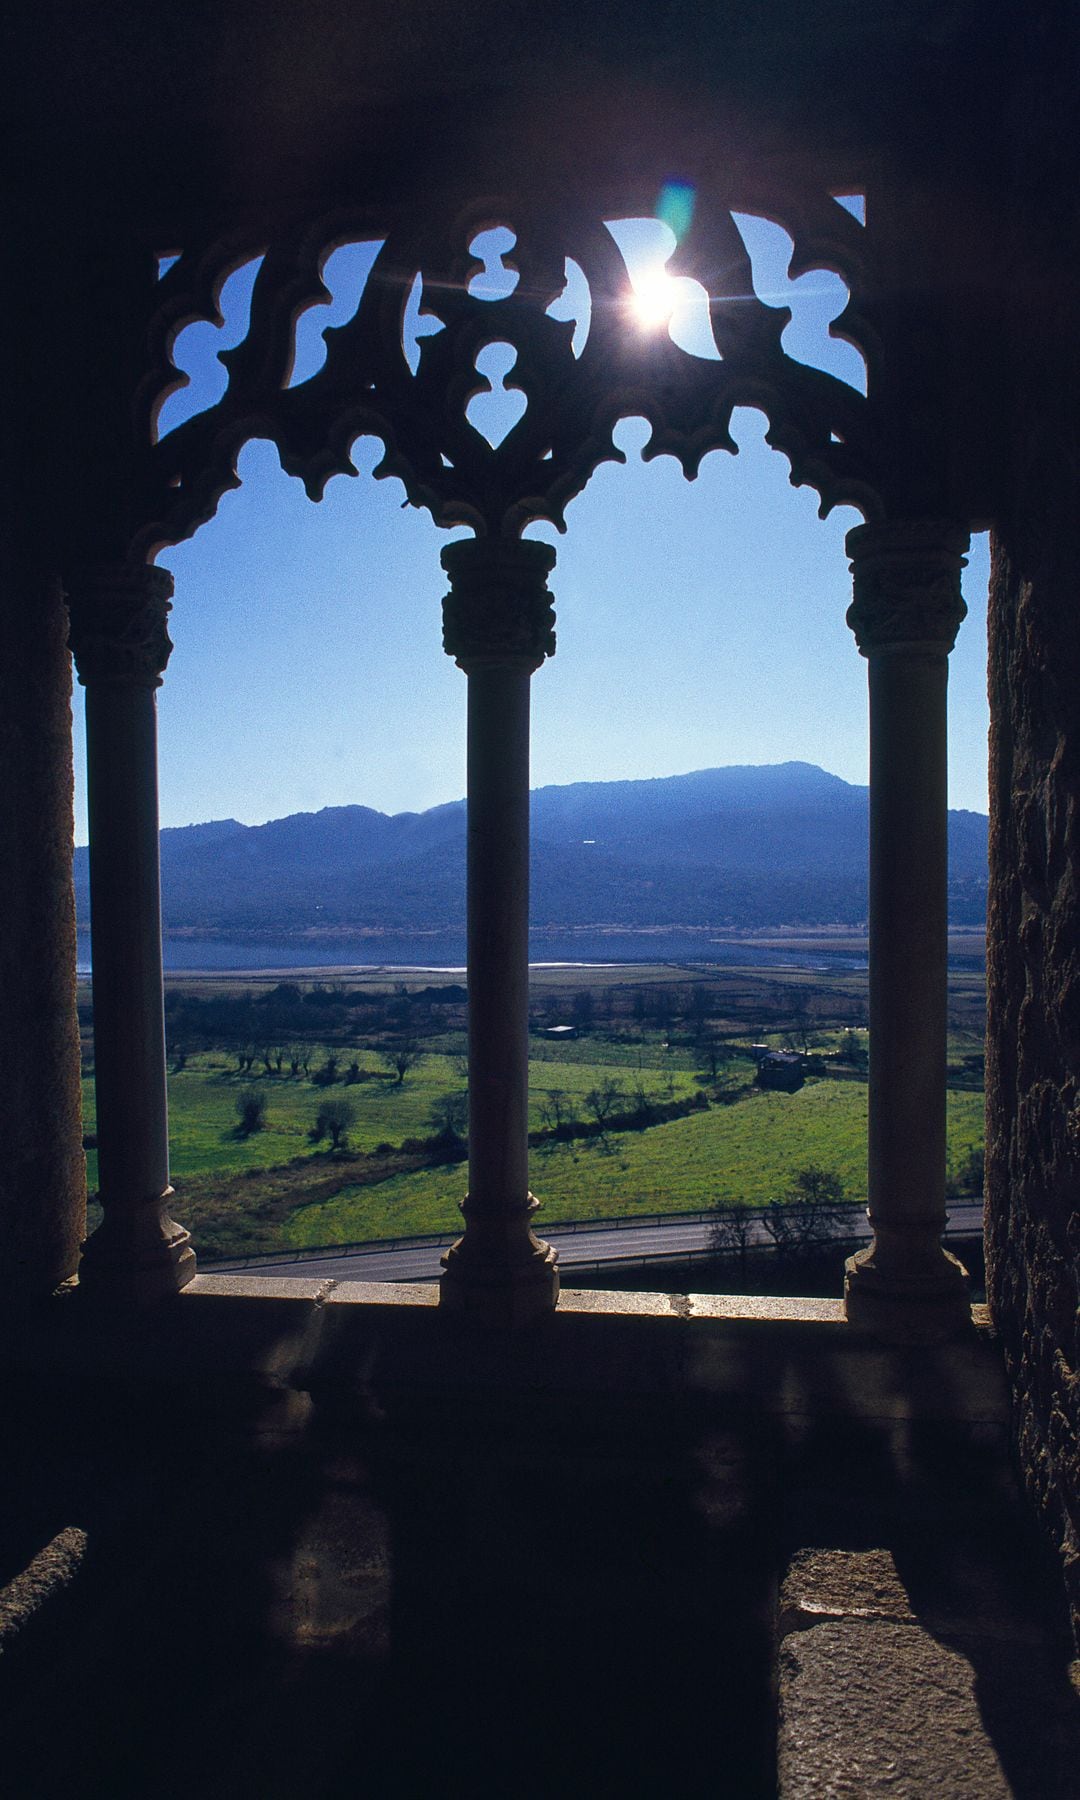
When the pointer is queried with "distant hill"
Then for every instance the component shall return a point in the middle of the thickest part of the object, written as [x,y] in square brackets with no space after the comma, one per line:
[746,846]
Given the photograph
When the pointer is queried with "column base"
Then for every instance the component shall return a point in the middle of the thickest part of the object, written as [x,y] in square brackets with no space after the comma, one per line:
[907,1309]
[498,1273]
[137,1257]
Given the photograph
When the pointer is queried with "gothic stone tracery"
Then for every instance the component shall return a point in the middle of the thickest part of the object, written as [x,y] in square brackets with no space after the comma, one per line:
[573,400]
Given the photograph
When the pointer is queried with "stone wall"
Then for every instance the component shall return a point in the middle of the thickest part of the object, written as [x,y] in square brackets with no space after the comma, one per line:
[42,1167]
[1033,1064]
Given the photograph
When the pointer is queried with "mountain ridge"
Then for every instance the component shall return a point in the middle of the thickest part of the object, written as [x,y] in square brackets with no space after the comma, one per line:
[743,845]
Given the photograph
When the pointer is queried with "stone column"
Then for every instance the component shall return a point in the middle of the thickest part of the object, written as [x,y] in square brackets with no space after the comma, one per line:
[498,625]
[905,614]
[121,646]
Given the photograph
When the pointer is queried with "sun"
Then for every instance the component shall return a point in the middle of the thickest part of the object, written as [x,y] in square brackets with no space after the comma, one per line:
[655,298]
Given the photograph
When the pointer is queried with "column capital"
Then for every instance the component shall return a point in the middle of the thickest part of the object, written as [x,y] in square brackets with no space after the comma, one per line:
[498,609]
[119,636]
[906,576]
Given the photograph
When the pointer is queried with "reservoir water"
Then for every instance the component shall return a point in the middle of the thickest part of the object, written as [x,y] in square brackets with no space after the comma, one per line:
[446,951]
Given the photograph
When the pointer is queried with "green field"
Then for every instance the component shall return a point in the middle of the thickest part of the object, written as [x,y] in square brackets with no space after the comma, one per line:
[649,1029]
[747,1152]
[203,1125]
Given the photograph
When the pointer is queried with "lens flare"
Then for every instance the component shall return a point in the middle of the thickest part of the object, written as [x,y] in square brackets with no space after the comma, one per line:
[675,206]
[655,298]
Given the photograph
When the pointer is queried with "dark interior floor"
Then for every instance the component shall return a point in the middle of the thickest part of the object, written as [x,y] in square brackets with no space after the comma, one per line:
[481,1597]
[470,1601]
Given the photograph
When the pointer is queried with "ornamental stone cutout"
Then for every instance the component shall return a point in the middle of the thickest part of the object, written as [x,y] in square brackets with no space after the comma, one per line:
[119,635]
[573,402]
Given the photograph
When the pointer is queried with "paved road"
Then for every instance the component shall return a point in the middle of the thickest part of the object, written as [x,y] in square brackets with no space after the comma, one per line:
[579,1248]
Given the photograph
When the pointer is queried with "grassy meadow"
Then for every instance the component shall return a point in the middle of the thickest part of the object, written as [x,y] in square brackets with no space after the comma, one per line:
[747,1152]
[204,1132]
[660,1035]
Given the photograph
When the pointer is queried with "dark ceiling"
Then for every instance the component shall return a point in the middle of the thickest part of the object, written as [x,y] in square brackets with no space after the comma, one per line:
[169,112]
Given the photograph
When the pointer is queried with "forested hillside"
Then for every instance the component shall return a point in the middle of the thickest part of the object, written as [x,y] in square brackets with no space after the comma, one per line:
[754,846]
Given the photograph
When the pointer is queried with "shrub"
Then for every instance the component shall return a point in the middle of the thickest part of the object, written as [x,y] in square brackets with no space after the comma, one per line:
[449,1116]
[852,1049]
[815,1186]
[968,1177]
[250,1111]
[332,1121]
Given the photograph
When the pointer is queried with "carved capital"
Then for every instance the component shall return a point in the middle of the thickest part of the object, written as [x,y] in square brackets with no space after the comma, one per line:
[907,585]
[498,608]
[118,635]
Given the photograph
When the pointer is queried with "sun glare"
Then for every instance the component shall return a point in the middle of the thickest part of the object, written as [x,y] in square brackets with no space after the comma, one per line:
[655,298]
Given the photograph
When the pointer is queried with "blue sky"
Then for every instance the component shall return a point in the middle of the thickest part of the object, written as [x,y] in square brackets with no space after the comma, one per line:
[699,623]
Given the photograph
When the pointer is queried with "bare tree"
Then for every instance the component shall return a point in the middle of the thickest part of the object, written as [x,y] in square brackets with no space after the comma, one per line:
[603,1101]
[402,1057]
[660,1007]
[581,1010]
[555,1112]
[699,1008]
[801,1020]
[712,1053]
[733,1231]
[643,1100]
[808,1216]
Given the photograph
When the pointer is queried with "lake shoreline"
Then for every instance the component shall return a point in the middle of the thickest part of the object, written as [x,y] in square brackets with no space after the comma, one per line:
[319,955]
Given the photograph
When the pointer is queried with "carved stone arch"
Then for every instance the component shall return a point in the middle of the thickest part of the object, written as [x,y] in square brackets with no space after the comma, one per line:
[827,430]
